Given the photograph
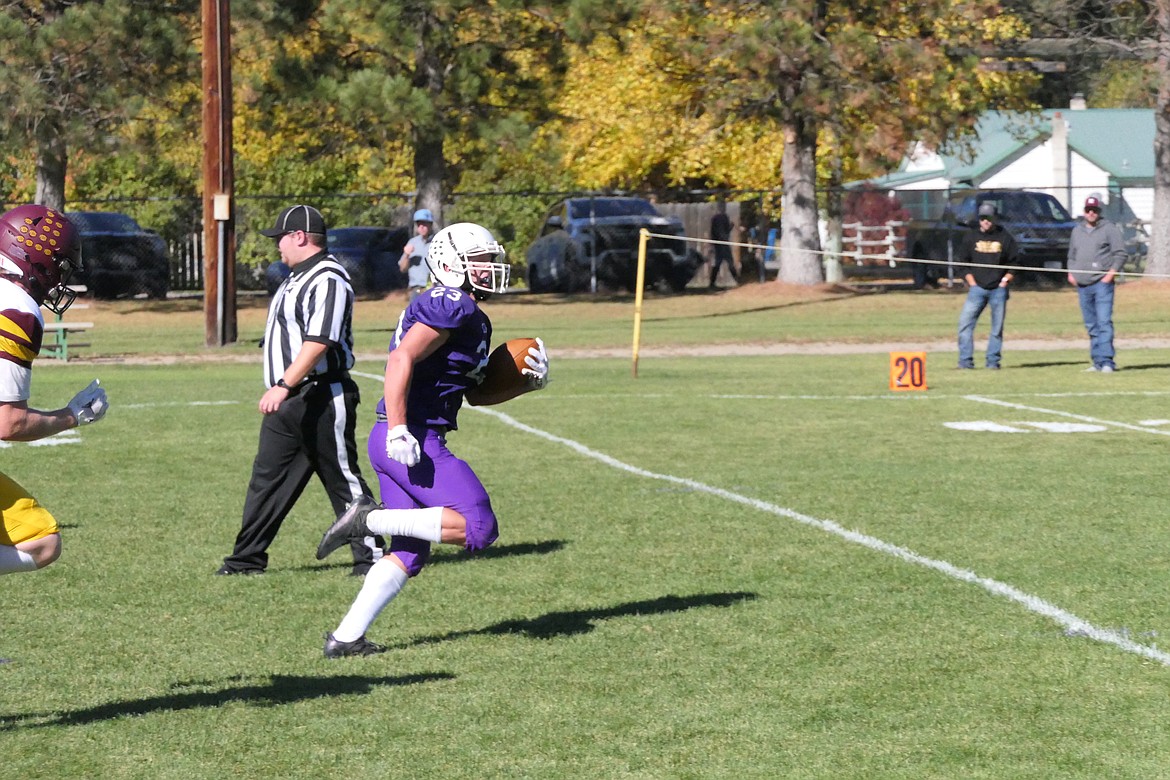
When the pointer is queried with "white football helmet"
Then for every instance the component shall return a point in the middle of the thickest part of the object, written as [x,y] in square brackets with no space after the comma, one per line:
[467,256]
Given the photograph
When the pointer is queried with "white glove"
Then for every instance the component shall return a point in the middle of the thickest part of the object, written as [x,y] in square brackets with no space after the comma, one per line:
[90,404]
[402,446]
[537,362]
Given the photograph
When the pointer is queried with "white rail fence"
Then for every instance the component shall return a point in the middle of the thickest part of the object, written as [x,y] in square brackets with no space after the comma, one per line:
[873,244]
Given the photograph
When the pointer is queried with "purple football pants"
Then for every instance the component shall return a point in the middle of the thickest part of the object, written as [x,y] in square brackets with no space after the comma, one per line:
[439,479]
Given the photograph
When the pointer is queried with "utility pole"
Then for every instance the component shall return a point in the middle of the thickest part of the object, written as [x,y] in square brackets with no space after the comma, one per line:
[219,232]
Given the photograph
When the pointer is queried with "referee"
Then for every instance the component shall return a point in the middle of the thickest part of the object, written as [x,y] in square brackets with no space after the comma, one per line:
[310,402]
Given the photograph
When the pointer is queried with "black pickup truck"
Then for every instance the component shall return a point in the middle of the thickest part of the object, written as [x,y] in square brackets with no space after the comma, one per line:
[586,236]
[1038,222]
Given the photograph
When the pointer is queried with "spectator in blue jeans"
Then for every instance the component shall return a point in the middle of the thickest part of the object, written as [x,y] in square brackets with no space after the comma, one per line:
[986,252]
[1096,253]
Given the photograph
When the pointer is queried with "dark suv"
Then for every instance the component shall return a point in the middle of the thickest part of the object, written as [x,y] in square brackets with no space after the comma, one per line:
[585,238]
[370,255]
[119,257]
[1037,221]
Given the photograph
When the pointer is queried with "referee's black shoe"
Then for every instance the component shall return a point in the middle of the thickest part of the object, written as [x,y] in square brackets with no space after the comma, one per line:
[227,570]
[335,648]
[351,525]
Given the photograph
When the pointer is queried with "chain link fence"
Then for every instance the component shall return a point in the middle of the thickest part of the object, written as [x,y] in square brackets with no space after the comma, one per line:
[515,217]
[871,238]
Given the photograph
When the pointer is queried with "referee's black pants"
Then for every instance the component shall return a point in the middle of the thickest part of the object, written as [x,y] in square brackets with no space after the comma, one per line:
[311,432]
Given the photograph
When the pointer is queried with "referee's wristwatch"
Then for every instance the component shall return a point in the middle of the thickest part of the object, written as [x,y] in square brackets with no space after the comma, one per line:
[281,383]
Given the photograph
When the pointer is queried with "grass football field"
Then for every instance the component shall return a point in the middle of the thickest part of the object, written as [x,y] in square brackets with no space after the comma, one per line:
[733,566]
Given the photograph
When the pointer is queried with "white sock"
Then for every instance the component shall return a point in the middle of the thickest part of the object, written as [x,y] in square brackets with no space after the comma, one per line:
[13,560]
[419,523]
[384,581]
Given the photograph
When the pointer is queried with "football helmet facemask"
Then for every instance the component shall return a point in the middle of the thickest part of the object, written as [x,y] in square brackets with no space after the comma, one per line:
[467,256]
[40,250]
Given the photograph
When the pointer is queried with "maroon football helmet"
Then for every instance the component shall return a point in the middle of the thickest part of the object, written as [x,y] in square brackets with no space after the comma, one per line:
[40,250]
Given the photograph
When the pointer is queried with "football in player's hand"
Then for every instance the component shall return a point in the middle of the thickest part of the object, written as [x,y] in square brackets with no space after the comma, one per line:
[504,367]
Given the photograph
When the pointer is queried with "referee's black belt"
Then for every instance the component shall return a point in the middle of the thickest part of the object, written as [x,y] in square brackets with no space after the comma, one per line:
[327,378]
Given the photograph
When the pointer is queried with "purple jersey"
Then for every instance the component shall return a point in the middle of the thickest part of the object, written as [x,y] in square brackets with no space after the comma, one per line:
[439,381]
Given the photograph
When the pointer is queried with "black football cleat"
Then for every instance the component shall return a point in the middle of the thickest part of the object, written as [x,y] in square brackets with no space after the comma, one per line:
[359,646]
[351,525]
[227,571]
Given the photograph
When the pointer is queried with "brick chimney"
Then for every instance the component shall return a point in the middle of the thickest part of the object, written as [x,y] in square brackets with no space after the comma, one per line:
[1061,181]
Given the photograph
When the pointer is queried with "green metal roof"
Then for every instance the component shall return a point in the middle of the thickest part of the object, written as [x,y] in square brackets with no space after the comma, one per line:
[1118,140]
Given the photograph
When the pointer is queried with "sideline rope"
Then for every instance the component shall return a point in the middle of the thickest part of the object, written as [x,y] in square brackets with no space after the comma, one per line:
[895,259]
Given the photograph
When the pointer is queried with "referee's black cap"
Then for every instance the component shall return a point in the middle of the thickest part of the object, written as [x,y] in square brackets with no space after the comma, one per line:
[299,217]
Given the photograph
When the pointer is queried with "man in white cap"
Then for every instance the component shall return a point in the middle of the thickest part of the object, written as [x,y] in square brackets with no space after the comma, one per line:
[418,275]
[1096,253]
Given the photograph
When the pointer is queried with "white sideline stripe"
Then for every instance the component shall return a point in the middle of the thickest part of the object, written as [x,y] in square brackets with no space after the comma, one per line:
[931,396]
[1070,415]
[70,436]
[1072,624]
[176,403]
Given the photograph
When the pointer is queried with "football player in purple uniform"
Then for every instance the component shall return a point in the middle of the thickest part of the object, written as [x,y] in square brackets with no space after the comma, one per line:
[39,250]
[437,358]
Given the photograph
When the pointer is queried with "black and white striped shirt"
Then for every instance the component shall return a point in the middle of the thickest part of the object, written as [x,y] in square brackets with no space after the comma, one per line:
[315,303]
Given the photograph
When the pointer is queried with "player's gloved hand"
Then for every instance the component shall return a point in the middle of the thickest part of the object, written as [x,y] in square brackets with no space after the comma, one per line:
[537,362]
[402,446]
[90,404]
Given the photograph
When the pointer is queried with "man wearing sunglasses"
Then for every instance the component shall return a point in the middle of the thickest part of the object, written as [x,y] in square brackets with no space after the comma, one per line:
[988,253]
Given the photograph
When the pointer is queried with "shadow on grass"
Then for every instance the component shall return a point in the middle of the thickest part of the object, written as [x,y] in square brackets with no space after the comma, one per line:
[279,690]
[1143,366]
[751,310]
[1055,363]
[556,624]
[1051,364]
[448,554]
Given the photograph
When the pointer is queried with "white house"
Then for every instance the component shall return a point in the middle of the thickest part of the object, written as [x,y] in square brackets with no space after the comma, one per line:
[1070,153]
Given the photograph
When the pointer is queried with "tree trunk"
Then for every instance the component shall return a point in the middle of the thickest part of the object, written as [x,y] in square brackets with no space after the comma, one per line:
[833,222]
[430,169]
[1158,260]
[51,164]
[800,242]
[427,134]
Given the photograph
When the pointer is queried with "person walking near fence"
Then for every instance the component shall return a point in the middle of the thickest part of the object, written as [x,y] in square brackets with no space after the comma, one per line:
[413,262]
[39,250]
[1096,254]
[721,232]
[310,401]
[982,251]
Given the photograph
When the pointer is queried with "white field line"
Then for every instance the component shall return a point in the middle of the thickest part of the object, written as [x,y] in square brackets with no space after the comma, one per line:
[1070,415]
[907,396]
[162,404]
[1073,625]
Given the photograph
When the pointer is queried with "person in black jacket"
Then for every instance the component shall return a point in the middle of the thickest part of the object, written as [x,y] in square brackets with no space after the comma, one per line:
[986,252]
[721,234]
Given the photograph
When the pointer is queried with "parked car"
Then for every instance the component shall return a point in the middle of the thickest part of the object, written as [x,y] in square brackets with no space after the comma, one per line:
[274,275]
[370,255]
[1037,220]
[580,237]
[119,257]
